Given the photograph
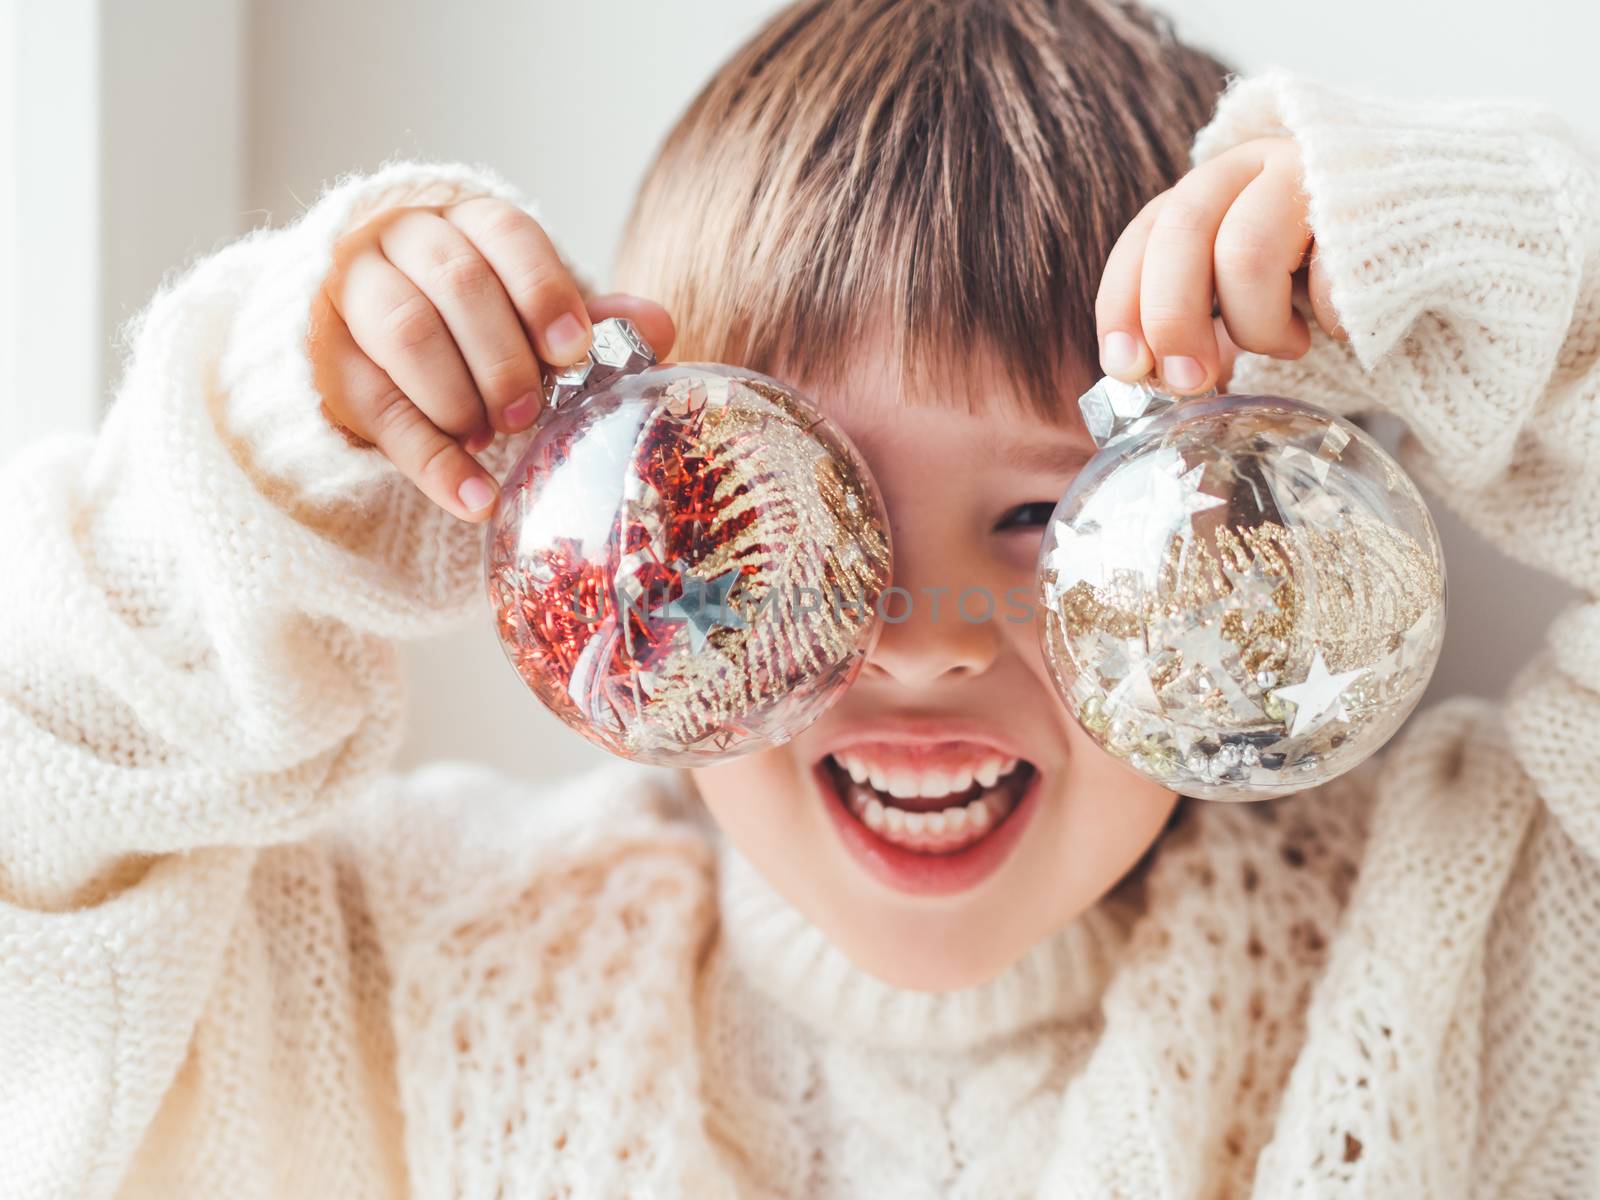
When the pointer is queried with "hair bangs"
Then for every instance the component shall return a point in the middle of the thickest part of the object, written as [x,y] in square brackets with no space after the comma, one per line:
[952,171]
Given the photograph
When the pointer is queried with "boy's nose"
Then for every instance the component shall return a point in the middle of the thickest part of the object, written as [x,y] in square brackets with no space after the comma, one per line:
[930,634]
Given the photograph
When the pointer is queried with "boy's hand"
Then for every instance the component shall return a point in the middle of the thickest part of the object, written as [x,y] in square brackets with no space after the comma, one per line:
[1210,267]
[428,334]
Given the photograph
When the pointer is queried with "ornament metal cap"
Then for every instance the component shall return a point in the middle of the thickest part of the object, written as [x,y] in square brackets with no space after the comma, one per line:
[1113,410]
[617,349]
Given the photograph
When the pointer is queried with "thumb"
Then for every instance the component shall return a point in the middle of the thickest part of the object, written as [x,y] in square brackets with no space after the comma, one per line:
[1228,352]
[1319,291]
[648,317]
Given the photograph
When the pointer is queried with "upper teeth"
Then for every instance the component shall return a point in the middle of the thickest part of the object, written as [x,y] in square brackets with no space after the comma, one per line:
[905,782]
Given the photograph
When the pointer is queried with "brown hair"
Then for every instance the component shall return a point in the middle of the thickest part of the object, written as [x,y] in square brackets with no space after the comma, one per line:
[959,168]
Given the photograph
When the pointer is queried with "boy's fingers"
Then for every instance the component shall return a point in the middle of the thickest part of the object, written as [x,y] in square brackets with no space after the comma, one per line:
[1123,352]
[397,327]
[648,317]
[542,290]
[1259,247]
[1228,351]
[465,291]
[1319,294]
[1175,284]
[439,466]
[364,399]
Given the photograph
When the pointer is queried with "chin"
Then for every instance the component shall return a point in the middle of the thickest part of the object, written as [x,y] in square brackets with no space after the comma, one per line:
[922,956]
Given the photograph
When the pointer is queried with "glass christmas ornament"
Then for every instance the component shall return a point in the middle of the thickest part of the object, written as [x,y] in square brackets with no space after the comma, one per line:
[1242,596]
[686,561]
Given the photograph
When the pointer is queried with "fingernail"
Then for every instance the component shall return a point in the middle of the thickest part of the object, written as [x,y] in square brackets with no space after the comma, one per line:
[1119,353]
[519,413]
[567,338]
[1183,372]
[476,494]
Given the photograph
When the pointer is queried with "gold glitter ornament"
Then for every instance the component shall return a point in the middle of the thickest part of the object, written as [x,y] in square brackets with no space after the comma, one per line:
[687,561]
[1243,596]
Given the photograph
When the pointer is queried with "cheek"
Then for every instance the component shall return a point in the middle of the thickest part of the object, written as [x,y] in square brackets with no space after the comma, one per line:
[766,807]
[1104,814]
[1107,814]
[758,801]
[1019,617]
[1114,812]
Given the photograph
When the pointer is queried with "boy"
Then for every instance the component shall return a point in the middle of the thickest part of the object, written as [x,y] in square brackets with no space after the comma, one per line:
[239,957]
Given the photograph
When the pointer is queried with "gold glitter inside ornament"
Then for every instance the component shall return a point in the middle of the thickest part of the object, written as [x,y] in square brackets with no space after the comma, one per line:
[1243,596]
[687,562]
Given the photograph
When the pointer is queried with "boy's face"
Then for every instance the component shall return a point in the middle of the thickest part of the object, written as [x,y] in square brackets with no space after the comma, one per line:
[946,813]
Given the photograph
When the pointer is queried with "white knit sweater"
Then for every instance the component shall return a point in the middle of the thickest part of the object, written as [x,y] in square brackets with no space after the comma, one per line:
[240,957]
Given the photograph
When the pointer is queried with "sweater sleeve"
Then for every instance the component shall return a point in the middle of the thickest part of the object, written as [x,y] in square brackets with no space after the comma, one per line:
[1462,243]
[198,660]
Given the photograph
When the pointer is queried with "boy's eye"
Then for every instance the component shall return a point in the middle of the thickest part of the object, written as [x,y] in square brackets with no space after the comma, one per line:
[1033,515]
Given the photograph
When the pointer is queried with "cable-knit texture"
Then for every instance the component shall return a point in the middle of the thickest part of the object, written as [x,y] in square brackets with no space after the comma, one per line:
[241,957]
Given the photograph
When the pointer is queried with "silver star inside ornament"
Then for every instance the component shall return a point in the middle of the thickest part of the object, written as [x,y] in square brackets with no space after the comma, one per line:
[703,606]
[1097,555]
[1072,558]
[1320,698]
[1179,488]
[1162,497]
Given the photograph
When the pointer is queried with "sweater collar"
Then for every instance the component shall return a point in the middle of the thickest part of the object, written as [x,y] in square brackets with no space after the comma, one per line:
[789,959]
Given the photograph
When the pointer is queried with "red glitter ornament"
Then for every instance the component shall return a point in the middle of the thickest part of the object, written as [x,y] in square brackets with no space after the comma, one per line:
[687,560]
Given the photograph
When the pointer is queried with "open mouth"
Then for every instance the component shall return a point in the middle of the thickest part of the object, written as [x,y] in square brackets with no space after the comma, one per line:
[931,812]
[928,819]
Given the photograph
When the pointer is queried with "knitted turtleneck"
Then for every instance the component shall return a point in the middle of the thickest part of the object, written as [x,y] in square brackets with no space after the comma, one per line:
[240,956]
[789,961]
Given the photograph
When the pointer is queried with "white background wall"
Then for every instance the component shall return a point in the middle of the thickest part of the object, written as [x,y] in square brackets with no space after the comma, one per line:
[136,133]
